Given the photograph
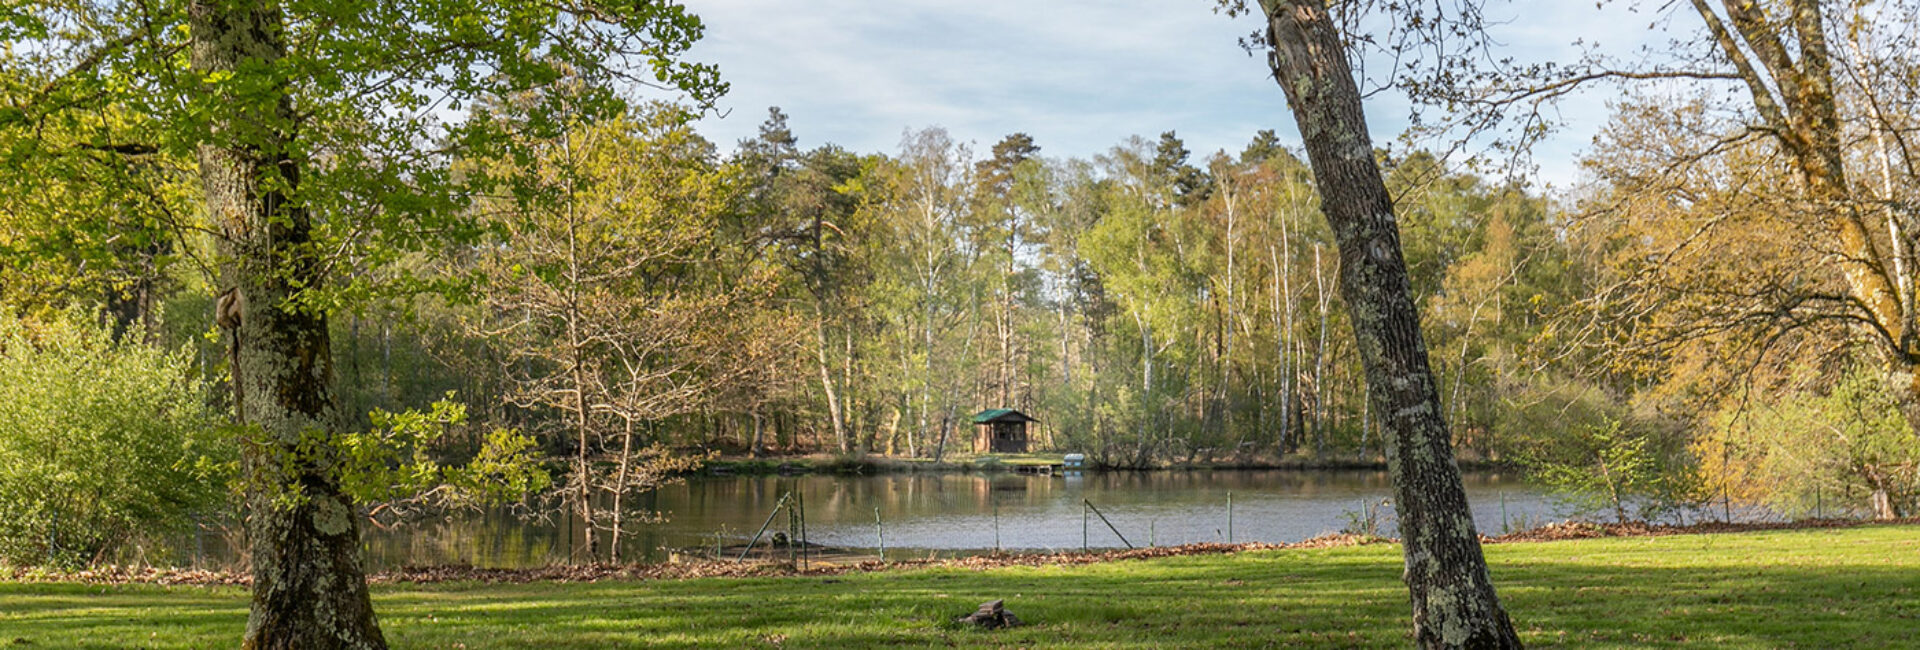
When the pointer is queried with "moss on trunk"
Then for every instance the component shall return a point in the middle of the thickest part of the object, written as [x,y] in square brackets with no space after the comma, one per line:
[308,588]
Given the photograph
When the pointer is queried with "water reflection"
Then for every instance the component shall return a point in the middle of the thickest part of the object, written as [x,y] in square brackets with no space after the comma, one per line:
[950,514]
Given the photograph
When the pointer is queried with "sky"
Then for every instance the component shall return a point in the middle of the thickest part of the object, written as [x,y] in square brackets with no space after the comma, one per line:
[1080,76]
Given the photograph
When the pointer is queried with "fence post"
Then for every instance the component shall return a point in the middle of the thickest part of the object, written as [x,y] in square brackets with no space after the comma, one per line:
[881,530]
[1083,525]
[996,526]
[199,542]
[1229,516]
[763,527]
[1110,526]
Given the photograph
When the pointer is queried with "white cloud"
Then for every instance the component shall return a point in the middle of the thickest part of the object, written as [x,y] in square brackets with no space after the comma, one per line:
[1080,76]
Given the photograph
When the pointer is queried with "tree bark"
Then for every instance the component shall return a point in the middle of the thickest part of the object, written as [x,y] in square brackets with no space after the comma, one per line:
[577,374]
[754,447]
[620,490]
[1454,604]
[834,412]
[1323,300]
[308,588]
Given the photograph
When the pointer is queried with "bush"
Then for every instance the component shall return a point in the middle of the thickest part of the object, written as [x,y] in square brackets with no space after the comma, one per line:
[1598,455]
[1602,469]
[1846,448]
[100,443]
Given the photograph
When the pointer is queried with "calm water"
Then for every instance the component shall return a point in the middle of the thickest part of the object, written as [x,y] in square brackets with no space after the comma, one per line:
[952,514]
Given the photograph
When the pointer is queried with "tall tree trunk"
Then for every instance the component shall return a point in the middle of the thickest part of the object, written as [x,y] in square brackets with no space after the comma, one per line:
[950,402]
[893,432]
[1324,300]
[620,490]
[754,447]
[582,467]
[834,412]
[1283,318]
[1795,100]
[577,373]
[848,404]
[1878,126]
[1066,359]
[1457,405]
[1146,357]
[1227,316]
[1008,370]
[1454,604]
[1366,419]
[1280,344]
[353,355]
[308,588]
[132,306]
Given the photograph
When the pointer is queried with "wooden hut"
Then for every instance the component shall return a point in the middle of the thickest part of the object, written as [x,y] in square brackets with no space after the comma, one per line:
[1001,431]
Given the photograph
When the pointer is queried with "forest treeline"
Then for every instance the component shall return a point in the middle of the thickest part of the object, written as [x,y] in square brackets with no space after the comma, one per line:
[616,300]
[1147,305]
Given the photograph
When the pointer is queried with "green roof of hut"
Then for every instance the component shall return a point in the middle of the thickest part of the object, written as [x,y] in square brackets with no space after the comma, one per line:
[1001,415]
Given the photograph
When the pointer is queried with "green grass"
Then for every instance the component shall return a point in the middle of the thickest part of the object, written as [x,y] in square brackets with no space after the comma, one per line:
[1826,588]
[1033,458]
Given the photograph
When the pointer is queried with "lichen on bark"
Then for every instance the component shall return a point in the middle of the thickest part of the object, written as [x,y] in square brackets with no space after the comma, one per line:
[1454,604]
[308,588]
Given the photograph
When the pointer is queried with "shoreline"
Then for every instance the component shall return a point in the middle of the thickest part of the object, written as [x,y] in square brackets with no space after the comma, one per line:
[1552,532]
[873,465]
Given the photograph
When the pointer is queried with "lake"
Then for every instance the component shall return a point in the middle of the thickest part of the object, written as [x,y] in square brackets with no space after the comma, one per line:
[955,514]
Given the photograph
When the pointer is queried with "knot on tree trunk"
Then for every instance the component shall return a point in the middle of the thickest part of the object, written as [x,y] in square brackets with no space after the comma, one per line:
[992,615]
[228,308]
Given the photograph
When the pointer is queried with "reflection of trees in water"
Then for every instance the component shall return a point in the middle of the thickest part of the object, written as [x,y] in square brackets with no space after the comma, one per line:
[946,511]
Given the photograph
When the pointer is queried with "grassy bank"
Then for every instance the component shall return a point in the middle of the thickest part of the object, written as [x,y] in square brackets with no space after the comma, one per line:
[1820,588]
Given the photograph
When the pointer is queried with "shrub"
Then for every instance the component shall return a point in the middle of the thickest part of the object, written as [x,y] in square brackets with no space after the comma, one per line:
[1601,468]
[101,443]
[1846,447]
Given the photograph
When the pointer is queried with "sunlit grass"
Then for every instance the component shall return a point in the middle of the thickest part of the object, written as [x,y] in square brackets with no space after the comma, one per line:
[1027,458]
[1828,588]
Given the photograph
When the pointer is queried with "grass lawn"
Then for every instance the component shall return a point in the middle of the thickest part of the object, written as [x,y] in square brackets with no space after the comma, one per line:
[1823,588]
[1016,459]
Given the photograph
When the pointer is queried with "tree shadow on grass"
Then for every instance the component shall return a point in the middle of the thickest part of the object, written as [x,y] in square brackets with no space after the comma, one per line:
[1721,591]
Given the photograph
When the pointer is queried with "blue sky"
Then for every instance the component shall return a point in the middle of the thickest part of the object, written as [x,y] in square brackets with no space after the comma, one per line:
[1080,76]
